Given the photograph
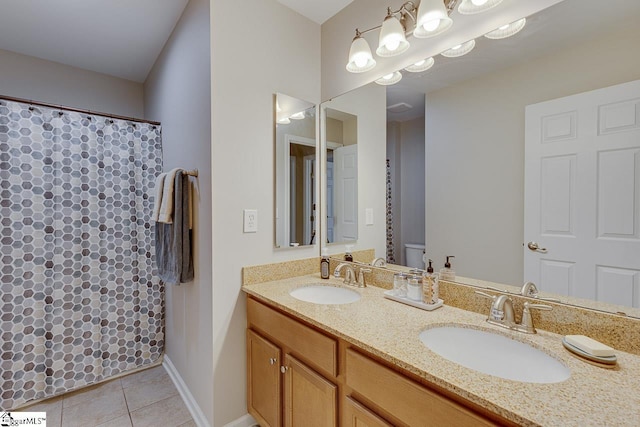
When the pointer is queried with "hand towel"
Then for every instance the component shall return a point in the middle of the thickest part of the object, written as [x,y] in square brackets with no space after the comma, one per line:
[158,199]
[166,205]
[174,258]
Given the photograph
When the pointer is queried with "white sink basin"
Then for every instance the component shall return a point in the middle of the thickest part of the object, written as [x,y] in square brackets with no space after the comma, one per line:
[323,294]
[494,354]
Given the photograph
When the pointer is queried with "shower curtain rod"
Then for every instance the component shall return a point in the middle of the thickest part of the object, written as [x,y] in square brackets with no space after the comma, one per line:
[78,110]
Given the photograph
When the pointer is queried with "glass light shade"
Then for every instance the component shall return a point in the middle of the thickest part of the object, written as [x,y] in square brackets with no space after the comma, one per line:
[390,79]
[471,7]
[507,30]
[297,116]
[360,57]
[392,39]
[459,50]
[432,19]
[421,66]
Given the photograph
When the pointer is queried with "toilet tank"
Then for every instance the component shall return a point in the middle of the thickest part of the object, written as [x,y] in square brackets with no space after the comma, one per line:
[413,253]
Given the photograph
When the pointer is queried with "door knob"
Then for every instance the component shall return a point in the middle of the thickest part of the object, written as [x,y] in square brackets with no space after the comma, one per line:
[272,361]
[284,369]
[535,248]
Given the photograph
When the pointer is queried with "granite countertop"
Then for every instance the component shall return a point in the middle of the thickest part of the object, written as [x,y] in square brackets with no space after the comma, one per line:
[592,396]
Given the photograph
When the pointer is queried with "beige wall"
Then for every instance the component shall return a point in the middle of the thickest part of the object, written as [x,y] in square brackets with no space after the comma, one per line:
[177,94]
[475,151]
[273,50]
[36,79]
[338,32]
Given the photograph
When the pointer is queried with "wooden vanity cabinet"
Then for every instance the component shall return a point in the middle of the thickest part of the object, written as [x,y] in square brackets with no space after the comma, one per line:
[291,371]
[294,379]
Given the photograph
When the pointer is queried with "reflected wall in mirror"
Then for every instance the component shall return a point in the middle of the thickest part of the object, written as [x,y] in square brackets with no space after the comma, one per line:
[342,176]
[296,172]
[353,140]
[475,152]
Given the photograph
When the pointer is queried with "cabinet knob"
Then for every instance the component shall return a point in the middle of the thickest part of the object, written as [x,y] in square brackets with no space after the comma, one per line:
[272,361]
[284,369]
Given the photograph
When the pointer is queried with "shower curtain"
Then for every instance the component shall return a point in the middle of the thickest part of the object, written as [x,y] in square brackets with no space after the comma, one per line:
[79,298]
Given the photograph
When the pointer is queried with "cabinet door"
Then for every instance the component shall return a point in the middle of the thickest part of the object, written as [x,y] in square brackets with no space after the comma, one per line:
[356,415]
[309,399]
[263,380]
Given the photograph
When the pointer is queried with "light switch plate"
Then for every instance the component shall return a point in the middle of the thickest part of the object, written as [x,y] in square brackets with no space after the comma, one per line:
[368,216]
[250,221]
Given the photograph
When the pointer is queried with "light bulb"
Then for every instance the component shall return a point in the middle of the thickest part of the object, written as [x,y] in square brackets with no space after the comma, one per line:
[392,44]
[431,25]
[419,63]
[456,47]
[478,2]
[388,76]
[360,61]
[504,27]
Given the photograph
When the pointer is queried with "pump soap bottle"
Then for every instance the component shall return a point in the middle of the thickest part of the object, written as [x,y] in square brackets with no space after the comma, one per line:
[429,285]
[447,273]
[324,264]
[347,253]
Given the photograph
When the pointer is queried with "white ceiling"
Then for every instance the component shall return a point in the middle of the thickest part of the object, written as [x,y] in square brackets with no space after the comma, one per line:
[316,10]
[121,38]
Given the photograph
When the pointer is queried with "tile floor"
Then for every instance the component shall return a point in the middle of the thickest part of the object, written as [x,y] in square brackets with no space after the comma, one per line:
[144,399]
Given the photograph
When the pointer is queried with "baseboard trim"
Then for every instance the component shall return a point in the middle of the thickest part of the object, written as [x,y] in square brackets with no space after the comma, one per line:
[189,400]
[244,421]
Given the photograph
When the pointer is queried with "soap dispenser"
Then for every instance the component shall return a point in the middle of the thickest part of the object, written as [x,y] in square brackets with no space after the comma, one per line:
[324,264]
[430,285]
[447,273]
[347,253]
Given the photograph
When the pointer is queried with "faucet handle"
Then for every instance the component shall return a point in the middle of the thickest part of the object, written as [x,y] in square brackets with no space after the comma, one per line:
[485,295]
[361,278]
[527,321]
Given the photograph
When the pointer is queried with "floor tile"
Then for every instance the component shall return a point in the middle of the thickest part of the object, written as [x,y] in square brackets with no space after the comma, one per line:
[123,421]
[146,393]
[108,406]
[90,393]
[143,376]
[53,408]
[168,412]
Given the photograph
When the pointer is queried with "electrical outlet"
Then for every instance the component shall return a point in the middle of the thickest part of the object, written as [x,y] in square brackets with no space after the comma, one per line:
[250,221]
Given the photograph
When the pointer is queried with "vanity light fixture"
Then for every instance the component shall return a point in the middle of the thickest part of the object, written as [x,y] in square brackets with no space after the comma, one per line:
[428,19]
[507,30]
[420,66]
[297,116]
[360,57]
[392,38]
[432,19]
[459,50]
[390,79]
[471,7]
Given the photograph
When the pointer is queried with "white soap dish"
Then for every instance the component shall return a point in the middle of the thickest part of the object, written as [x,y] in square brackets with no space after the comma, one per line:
[604,361]
[418,304]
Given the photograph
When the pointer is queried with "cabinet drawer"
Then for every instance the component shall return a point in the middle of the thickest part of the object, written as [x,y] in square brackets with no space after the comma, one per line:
[316,349]
[406,400]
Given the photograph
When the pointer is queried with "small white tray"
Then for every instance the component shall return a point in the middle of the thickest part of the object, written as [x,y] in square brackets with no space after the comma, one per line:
[418,304]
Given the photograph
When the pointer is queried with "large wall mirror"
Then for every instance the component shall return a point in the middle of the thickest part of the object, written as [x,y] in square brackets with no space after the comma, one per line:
[296,172]
[455,159]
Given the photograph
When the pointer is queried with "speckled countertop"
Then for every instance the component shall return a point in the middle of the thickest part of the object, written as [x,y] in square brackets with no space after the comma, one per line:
[592,396]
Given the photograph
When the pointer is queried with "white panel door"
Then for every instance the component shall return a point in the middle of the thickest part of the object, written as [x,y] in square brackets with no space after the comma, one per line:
[582,195]
[345,173]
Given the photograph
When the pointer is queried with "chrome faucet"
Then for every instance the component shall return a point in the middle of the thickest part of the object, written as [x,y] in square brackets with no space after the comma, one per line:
[349,275]
[529,289]
[362,283]
[379,262]
[502,314]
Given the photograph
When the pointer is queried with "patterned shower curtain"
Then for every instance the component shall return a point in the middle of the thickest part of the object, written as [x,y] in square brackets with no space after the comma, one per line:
[79,300]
